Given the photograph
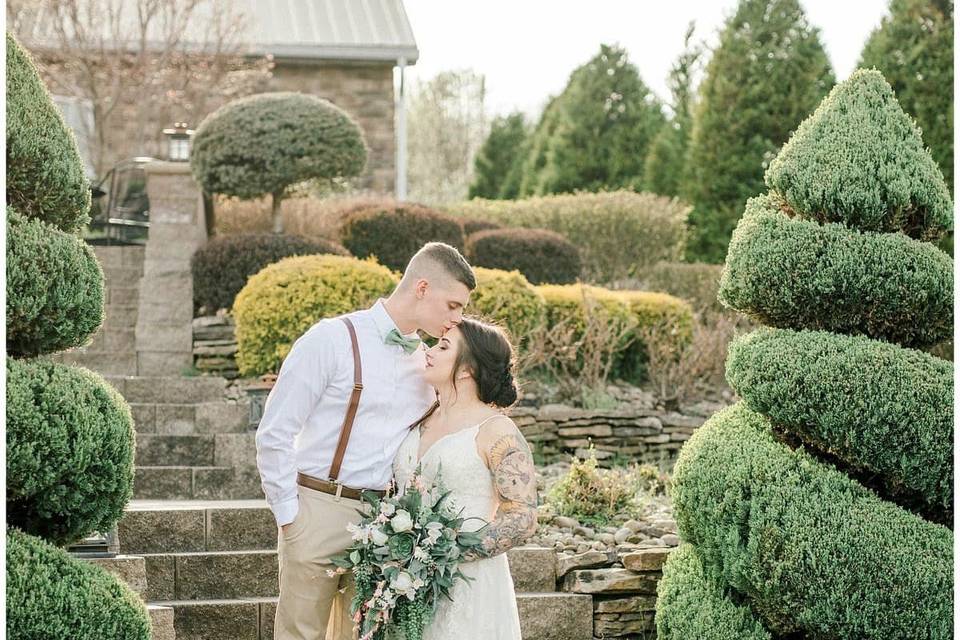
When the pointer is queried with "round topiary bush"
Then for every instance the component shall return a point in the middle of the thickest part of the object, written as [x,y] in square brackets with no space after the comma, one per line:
[282,301]
[51,595]
[473,225]
[221,268]
[69,453]
[507,298]
[543,257]
[54,288]
[45,177]
[267,143]
[393,235]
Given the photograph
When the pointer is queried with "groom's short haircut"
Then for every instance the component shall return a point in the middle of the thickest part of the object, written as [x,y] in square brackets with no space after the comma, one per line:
[436,259]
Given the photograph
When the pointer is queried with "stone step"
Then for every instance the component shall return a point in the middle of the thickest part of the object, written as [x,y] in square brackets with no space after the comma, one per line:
[534,569]
[190,419]
[165,527]
[196,483]
[120,316]
[111,339]
[125,295]
[212,575]
[122,276]
[175,450]
[130,569]
[170,389]
[555,616]
[162,626]
[108,364]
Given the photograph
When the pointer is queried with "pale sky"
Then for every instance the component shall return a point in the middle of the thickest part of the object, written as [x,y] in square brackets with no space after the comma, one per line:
[528,48]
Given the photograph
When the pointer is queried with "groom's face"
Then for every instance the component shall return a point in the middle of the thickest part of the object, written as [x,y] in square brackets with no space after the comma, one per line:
[442,306]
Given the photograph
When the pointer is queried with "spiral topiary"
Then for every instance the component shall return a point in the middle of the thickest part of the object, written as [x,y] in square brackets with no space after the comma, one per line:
[813,507]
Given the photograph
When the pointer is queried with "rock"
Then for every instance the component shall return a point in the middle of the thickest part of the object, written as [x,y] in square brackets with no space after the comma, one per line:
[583,547]
[566,522]
[588,560]
[633,525]
[631,604]
[610,581]
[671,540]
[621,535]
[586,532]
[667,525]
[606,538]
[646,559]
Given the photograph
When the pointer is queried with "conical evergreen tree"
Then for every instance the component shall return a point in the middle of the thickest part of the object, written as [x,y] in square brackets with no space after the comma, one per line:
[605,120]
[769,70]
[497,157]
[815,507]
[69,433]
[532,174]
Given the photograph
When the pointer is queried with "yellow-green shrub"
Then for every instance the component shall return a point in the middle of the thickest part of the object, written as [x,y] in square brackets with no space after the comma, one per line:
[593,495]
[284,299]
[667,315]
[507,298]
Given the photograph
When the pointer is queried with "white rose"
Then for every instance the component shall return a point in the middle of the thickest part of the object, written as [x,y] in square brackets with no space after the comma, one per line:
[401,521]
[387,508]
[379,537]
[402,582]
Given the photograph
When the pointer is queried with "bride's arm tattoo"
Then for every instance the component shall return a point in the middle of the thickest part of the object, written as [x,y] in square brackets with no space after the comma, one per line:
[515,479]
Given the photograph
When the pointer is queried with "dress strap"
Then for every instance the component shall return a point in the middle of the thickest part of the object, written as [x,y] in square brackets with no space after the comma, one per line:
[486,420]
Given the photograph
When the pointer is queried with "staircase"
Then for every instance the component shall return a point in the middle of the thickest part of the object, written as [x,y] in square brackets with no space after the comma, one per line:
[214,563]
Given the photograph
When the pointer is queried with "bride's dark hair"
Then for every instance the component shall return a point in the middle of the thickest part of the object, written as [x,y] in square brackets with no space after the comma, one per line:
[487,353]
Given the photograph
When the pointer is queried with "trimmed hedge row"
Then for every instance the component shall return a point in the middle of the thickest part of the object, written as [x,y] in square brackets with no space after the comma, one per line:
[859,159]
[282,301]
[394,234]
[221,268]
[543,257]
[69,451]
[474,225]
[695,282]
[692,605]
[814,550]
[51,595]
[54,288]
[45,177]
[619,233]
[879,407]
[799,274]
[507,298]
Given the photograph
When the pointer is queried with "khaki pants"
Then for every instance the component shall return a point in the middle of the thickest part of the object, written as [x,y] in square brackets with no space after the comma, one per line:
[311,605]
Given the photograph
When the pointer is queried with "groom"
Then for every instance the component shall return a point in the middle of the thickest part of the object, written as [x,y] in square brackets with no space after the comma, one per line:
[333,423]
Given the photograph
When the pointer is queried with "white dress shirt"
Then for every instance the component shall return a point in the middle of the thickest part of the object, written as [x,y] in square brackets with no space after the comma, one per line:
[305,410]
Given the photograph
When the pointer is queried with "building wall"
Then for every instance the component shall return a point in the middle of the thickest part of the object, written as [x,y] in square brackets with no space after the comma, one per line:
[363,91]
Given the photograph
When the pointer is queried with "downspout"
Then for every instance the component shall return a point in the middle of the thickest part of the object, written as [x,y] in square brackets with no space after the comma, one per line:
[401,123]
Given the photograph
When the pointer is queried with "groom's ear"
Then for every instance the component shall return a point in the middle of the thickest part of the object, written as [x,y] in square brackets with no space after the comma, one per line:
[421,288]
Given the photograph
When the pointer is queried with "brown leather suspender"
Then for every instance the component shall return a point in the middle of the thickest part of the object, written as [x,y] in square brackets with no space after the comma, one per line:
[354,403]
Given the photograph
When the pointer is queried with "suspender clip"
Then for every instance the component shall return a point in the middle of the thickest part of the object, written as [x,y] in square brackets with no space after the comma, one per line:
[339,491]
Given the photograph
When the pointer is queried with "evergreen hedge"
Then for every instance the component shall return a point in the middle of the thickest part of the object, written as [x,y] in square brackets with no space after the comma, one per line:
[793,273]
[881,408]
[507,298]
[859,159]
[51,595]
[221,267]
[543,257]
[394,234]
[45,178]
[54,288]
[69,451]
[814,551]
[286,298]
[692,605]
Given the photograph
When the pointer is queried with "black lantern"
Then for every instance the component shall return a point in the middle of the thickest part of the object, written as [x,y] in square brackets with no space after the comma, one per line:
[178,139]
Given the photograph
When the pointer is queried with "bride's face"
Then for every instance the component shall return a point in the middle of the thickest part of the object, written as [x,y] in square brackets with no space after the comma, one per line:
[442,357]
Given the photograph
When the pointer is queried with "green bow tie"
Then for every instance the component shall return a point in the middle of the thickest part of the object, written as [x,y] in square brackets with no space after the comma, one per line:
[409,344]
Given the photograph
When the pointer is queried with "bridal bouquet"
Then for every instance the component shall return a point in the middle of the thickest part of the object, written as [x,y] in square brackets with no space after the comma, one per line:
[404,558]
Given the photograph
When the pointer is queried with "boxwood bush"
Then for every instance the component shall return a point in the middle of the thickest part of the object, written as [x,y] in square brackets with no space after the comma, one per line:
[692,605]
[473,225]
[283,300]
[795,274]
[813,550]
[394,234]
[54,288]
[881,408]
[51,595]
[695,282]
[69,451]
[507,298]
[543,257]
[45,177]
[662,313]
[221,268]
[859,159]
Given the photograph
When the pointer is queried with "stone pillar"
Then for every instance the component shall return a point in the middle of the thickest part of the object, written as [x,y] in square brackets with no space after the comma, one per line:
[164,334]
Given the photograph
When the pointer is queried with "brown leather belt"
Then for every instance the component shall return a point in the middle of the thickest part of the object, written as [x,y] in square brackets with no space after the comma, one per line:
[334,488]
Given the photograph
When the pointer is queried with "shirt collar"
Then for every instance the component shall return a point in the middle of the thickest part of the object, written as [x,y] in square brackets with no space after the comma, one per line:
[384,323]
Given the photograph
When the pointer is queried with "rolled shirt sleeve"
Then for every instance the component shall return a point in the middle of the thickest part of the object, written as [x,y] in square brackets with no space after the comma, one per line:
[303,377]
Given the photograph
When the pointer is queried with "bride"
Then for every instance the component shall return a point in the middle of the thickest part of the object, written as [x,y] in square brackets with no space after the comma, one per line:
[479,455]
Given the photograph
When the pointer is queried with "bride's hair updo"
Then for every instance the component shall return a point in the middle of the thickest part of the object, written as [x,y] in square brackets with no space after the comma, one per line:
[486,351]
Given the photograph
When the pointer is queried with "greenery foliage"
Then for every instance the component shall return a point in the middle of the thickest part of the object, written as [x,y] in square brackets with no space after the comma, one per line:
[541,256]
[221,267]
[769,71]
[593,495]
[54,288]
[51,595]
[45,178]
[695,282]
[507,298]
[497,157]
[286,298]
[394,234]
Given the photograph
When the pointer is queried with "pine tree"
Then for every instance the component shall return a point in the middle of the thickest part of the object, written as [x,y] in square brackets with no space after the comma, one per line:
[820,504]
[604,123]
[768,72]
[665,162]
[497,157]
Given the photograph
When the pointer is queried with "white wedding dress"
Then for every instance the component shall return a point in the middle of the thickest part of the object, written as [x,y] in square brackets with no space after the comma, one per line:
[484,608]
